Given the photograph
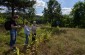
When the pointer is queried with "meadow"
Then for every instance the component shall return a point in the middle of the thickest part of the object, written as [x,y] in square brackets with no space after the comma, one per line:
[49,41]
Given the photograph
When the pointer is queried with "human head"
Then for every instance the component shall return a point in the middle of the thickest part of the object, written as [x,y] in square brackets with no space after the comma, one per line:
[26,23]
[15,17]
[34,22]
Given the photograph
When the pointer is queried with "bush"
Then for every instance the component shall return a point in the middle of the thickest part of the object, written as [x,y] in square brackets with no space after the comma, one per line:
[2,20]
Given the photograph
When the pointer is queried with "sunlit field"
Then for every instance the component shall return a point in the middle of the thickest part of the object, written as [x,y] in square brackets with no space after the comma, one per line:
[49,41]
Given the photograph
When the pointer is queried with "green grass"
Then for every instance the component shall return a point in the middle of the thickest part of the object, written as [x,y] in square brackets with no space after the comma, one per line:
[50,41]
[68,41]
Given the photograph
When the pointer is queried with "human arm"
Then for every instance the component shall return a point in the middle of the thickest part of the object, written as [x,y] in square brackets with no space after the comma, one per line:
[27,28]
[15,27]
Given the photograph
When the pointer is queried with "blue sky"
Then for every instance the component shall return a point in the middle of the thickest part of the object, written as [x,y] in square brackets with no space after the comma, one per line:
[66,5]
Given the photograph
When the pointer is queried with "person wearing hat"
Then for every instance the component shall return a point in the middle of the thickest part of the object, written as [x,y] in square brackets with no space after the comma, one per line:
[13,31]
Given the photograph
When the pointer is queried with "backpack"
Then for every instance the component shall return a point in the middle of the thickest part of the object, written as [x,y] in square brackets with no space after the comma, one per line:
[7,25]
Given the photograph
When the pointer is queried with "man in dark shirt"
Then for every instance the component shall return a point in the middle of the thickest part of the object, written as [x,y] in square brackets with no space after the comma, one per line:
[13,31]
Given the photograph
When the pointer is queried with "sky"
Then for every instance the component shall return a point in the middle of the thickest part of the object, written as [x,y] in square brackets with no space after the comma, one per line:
[66,6]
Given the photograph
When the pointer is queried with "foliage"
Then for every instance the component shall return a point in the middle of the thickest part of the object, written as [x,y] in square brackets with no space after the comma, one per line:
[20,5]
[61,41]
[53,11]
[2,18]
[66,21]
[78,13]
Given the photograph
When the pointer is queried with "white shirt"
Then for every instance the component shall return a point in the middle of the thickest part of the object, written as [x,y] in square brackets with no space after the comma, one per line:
[27,30]
[34,28]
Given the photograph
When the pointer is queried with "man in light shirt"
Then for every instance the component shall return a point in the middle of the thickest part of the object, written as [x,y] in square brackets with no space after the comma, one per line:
[27,33]
[34,31]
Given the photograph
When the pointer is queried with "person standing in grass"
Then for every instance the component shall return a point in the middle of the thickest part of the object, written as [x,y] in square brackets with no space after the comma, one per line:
[34,31]
[13,31]
[27,33]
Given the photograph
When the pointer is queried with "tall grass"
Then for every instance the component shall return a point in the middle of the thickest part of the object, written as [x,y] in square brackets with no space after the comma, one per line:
[65,42]
[50,41]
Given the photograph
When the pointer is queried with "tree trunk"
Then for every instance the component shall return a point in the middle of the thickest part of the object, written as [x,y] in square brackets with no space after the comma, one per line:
[12,11]
[12,8]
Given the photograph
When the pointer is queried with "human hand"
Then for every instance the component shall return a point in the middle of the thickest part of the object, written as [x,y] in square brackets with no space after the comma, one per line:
[19,26]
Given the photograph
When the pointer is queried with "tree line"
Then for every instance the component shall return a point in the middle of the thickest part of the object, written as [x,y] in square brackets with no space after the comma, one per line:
[51,14]
[76,18]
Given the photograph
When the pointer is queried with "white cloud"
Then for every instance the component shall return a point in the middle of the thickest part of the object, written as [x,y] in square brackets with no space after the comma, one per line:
[81,0]
[3,9]
[66,10]
[40,14]
[40,3]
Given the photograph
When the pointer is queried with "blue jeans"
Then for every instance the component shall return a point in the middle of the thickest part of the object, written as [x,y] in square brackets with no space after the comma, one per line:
[27,39]
[13,34]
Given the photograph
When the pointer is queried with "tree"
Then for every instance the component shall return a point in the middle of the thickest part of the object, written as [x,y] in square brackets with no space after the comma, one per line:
[28,14]
[66,21]
[78,13]
[31,13]
[53,11]
[45,13]
[17,4]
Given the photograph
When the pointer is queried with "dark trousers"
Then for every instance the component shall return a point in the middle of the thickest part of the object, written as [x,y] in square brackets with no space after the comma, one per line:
[13,34]
[33,37]
[27,39]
